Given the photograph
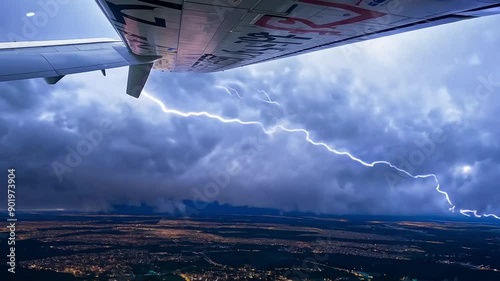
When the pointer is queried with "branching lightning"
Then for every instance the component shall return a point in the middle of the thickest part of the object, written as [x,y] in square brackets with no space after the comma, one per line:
[229,90]
[269,100]
[474,212]
[307,137]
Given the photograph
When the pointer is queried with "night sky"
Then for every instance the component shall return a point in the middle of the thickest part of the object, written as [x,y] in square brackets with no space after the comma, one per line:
[428,101]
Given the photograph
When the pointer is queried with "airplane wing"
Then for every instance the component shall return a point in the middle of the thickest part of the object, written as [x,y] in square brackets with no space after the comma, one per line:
[52,60]
[216,35]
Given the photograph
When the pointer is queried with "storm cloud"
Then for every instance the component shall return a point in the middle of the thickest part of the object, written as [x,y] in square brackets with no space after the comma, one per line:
[427,101]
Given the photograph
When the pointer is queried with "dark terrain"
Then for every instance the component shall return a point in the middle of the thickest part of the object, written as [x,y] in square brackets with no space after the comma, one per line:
[252,247]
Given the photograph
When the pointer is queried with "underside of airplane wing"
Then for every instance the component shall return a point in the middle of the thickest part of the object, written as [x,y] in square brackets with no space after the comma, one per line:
[217,35]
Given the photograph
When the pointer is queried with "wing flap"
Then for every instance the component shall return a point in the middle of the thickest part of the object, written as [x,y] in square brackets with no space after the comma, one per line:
[84,60]
[24,66]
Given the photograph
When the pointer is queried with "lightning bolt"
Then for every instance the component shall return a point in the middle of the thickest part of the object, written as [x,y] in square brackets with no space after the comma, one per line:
[474,212]
[229,90]
[307,137]
[269,100]
[467,213]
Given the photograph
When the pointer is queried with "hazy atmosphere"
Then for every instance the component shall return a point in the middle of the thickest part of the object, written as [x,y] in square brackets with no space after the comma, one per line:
[427,101]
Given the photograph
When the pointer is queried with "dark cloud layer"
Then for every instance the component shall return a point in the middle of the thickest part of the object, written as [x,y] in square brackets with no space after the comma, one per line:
[426,101]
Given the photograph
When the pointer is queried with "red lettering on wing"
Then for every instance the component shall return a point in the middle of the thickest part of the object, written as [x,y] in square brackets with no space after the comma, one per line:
[300,26]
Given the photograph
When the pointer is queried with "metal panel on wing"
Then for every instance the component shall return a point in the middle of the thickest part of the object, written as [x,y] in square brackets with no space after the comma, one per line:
[215,35]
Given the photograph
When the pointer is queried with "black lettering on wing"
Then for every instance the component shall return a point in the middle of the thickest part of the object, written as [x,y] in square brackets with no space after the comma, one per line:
[120,16]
